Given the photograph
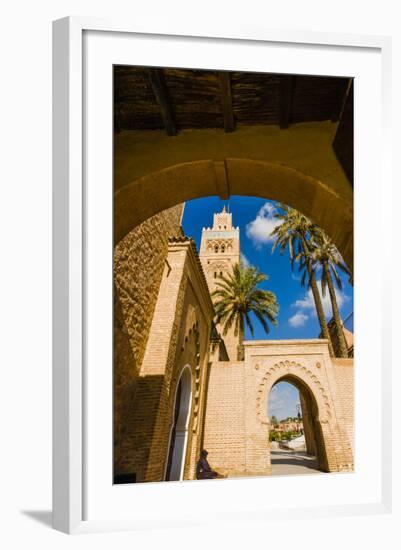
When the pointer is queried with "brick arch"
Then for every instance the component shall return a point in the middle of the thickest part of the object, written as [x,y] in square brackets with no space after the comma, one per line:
[157,191]
[319,408]
[298,374]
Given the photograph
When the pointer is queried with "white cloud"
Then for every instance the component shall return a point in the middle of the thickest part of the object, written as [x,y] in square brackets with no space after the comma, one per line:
[259,229]
[282,400]
[307,302]
[267,209]
[298,319]
[244,260]
[306,306]
[275,401]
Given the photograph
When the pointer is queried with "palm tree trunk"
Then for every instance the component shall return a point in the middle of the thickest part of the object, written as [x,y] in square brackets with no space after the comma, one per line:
[318,302]
[240,347]
[320,313]
[336,314]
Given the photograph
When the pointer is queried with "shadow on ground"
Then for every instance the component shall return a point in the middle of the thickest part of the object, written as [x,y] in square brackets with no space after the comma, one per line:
[41,516]
[295,462]
[292,458]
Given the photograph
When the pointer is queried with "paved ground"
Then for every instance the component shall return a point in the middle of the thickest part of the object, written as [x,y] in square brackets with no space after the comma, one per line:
[292,463]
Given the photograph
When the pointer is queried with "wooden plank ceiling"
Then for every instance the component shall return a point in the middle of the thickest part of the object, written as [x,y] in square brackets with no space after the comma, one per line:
[179,99]
[212,99]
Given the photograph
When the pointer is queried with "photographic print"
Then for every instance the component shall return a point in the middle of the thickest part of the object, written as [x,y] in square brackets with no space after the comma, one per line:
[233,338]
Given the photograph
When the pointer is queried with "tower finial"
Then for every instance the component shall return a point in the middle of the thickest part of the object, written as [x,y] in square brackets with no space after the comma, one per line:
[224,209]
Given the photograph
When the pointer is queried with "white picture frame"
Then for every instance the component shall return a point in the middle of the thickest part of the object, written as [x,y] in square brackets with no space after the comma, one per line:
[72,254]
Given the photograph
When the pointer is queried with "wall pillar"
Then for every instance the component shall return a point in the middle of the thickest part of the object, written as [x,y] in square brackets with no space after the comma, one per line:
[258,460]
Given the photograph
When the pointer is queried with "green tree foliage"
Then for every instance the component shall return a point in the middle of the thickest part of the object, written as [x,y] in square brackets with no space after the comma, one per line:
[237,296]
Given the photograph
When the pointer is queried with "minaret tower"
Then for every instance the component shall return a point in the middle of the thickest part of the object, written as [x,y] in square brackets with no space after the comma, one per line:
[219,252]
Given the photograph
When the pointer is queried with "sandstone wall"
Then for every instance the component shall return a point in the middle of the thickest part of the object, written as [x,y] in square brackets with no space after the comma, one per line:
[225,432]
[179,338]
[344,375]
[139,261]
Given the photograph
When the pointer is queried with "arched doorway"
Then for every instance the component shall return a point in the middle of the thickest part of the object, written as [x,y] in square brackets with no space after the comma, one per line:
[179,429]
[296,441]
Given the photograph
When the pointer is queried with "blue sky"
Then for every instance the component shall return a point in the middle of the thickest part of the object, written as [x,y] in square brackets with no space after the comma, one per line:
[297,317]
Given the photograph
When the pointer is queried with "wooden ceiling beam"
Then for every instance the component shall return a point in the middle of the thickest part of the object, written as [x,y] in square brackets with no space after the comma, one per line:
[286,94]
[226,101]
[159,87]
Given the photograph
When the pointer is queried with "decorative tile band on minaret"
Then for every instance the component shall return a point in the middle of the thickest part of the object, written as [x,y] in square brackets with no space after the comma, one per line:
[219,252]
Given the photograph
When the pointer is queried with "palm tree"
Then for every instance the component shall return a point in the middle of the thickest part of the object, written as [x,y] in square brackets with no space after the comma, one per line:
[323,252]
[236,296]
[294,232]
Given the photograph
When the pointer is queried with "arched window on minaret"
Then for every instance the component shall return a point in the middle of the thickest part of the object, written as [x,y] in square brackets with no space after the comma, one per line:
[216,248]
[215,274]
[223,248]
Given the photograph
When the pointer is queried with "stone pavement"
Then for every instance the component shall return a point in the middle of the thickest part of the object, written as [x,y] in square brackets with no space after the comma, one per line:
[292,463]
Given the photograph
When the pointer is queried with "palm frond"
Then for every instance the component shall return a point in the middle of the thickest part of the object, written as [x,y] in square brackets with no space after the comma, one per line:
[237,294]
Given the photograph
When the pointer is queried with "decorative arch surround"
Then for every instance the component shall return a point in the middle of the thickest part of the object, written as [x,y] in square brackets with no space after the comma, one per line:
[218,265]
[220,245]
[192,330]
[283,369]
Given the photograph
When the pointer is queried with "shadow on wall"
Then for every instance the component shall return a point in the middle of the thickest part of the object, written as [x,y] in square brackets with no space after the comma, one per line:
[144,441]
[125,374]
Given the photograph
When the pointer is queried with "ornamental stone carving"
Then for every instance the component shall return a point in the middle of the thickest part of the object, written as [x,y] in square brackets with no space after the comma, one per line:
[219,245]
[283,369]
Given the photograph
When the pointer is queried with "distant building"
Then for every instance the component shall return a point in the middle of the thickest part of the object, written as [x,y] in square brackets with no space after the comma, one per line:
[290,426]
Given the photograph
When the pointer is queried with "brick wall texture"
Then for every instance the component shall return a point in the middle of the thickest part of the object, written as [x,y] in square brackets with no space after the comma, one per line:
[225,429]
[344,375]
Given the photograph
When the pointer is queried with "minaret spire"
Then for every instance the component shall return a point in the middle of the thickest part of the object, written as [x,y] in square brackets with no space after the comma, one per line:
[219,253]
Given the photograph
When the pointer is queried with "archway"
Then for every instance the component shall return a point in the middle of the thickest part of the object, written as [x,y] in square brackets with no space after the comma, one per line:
[150,194]
[179,429]
[306,453]
[174,452]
